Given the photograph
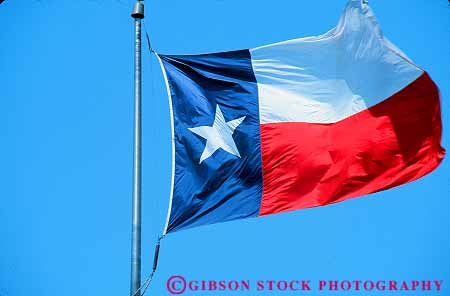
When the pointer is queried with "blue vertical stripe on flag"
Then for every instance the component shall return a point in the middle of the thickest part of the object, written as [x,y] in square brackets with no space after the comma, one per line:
[223,186]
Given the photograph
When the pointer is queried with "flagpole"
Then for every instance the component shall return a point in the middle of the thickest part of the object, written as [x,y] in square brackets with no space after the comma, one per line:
[138,15]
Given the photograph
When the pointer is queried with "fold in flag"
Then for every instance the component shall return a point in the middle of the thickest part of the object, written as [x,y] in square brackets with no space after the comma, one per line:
[297,124]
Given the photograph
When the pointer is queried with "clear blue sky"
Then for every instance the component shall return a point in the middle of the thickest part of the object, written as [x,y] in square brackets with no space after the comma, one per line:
[66,153]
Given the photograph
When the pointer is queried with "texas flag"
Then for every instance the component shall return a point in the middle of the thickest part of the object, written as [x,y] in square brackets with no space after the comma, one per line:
[297,124]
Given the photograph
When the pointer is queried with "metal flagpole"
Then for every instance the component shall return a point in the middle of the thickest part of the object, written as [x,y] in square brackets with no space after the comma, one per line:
[138,15]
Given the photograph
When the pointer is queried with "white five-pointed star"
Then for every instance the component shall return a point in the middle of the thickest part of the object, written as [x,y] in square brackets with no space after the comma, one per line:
[219,135]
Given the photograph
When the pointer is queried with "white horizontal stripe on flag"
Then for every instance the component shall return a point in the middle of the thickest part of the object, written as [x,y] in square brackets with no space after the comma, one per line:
[327,78]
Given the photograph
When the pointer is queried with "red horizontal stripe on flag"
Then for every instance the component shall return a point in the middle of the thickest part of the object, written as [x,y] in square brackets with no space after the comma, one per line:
[394,142]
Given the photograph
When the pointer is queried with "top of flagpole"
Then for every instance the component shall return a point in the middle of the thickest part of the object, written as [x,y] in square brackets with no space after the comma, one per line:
[138,10]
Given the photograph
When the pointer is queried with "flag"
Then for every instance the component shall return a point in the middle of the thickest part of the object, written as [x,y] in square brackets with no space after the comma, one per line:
[297,124]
